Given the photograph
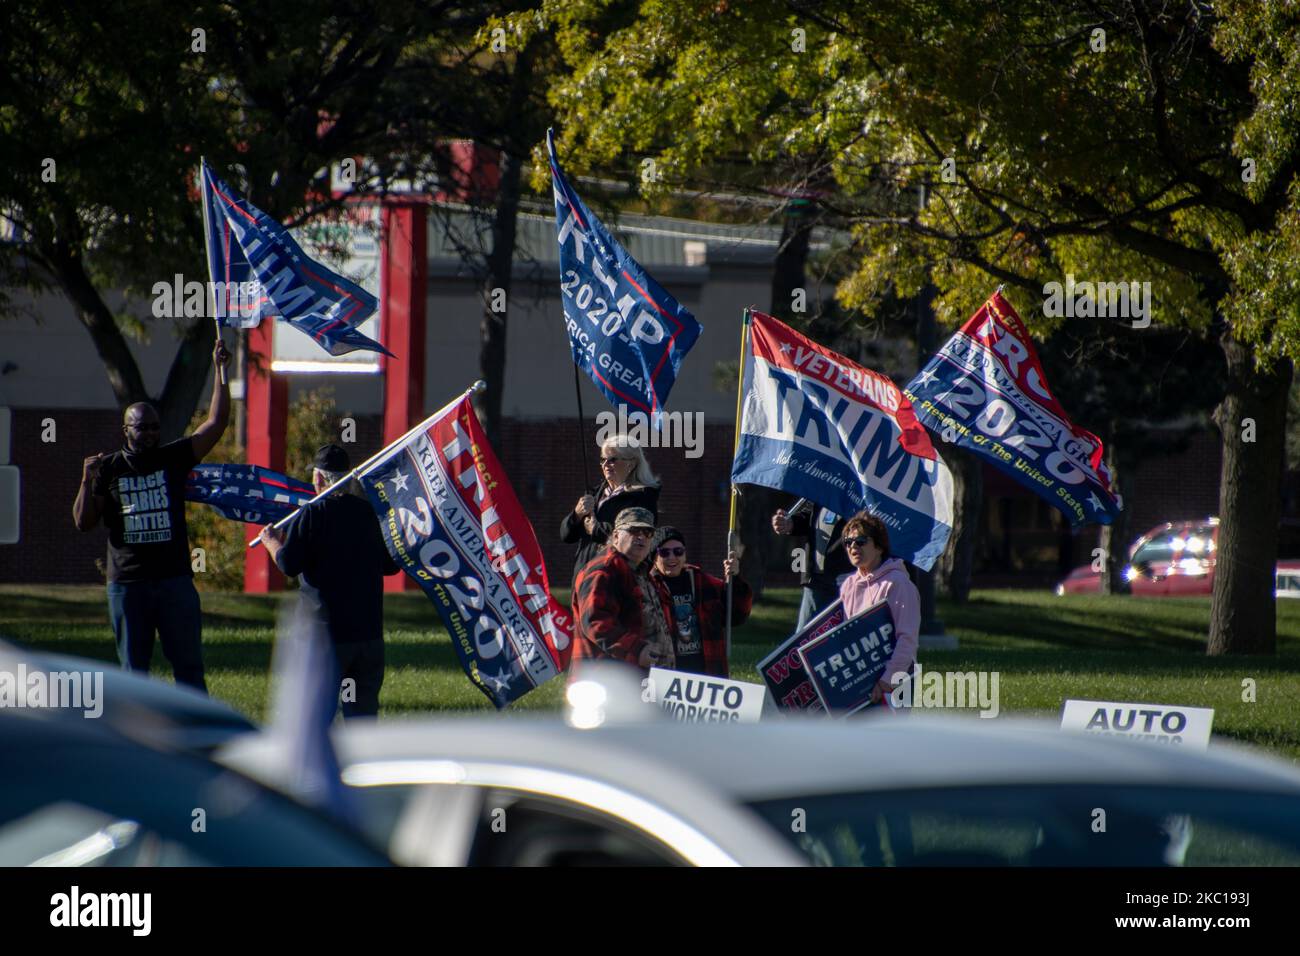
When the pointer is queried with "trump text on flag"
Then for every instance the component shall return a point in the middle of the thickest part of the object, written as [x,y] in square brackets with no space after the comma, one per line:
[819,426]
[625,331]
[453,523]
[985,390]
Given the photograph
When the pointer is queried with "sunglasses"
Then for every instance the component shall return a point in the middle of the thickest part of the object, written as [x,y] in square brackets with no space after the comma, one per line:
[610,461]
[671,552]
[856,542]
[640,532]
[155,427]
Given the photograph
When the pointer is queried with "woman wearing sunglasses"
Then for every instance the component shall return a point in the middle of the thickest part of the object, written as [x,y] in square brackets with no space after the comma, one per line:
[700,605]
[627,482]
[880,577]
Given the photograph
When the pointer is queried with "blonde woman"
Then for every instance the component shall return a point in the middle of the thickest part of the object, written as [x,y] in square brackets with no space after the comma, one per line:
[627,482]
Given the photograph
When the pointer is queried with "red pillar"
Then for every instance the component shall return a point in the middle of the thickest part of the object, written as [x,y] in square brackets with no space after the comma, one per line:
[267,398]
[403,264]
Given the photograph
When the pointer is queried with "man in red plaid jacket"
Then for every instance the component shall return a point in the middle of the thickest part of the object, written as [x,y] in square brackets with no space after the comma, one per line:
[620,612]
[700,605]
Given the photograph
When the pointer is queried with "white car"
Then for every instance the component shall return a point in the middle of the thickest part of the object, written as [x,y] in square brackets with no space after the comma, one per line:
[908,790]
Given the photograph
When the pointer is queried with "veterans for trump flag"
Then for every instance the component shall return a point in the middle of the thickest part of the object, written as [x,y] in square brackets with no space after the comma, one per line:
[985,390]
[258,271]
[625,331]
[821,427]
[247,492]
[452,522]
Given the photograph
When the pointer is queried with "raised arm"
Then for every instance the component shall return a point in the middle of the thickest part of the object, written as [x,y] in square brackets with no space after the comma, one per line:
[207,435]
[88,507]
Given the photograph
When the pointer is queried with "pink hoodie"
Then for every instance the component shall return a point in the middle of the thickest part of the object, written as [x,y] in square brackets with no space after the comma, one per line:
[889,583]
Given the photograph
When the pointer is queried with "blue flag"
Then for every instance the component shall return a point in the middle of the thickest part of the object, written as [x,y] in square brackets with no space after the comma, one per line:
[986,392]
[826,429]
[306,697]
[625,330]
[452,522]
[258,271]
[247,492]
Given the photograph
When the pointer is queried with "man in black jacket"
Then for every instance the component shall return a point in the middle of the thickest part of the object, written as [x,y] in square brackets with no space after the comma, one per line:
[336,545]
[825,561]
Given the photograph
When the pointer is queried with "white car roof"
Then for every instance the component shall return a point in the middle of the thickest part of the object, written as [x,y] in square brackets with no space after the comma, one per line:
[791,756]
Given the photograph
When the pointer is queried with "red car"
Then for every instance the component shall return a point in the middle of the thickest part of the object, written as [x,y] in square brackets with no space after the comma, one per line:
[1175,559]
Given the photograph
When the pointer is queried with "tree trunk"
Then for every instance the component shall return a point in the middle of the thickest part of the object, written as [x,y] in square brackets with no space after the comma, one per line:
[189,373]
[496,293]
[1252,420]
[1115,536]
[123,373]
[500,260]
[754,510]
[189,369]
[958,561]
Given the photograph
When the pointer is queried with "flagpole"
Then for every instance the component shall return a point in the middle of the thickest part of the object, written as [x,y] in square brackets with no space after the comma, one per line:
[207,254]
[479,386]
[731,520]
[582,435]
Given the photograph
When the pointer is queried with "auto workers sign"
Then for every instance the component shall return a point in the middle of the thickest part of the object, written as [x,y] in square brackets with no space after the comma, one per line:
[1162,723]
[698,698]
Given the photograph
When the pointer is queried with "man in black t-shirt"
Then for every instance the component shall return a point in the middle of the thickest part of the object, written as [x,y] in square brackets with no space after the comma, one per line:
[139,492]
[337,547]
[700,604]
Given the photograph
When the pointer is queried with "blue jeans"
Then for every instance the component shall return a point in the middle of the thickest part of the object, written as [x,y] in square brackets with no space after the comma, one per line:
[169,607]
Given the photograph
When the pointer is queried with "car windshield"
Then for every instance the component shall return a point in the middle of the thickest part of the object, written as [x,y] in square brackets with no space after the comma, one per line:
[1042,826]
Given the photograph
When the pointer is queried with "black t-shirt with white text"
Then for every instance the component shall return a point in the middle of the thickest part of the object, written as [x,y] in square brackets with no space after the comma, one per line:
[690,648]
[144,511]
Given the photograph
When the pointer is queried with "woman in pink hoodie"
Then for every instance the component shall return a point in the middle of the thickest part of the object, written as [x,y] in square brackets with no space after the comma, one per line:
[881,578]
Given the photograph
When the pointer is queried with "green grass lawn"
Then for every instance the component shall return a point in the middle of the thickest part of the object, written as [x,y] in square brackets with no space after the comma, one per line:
[1044,647]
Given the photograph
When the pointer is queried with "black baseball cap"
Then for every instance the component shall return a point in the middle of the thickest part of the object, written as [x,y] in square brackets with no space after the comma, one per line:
[669,533]
[332,458]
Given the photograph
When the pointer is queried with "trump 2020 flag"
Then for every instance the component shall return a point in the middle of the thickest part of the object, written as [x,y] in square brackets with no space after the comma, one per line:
[258,271]
[625,330]
[819,426]
[985,391]
[247,492]
[452,522]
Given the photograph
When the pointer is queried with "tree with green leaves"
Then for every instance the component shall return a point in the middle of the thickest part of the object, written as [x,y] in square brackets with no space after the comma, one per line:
[102,123]
[973,144]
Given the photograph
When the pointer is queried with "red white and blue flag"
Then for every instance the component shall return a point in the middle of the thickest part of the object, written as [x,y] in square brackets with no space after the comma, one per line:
[452,522]
[247,492]
[824,428]
[986,392]
[259,271]
[625,331]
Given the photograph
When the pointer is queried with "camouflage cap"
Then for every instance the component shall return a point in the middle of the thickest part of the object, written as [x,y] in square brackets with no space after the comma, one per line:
[634,518]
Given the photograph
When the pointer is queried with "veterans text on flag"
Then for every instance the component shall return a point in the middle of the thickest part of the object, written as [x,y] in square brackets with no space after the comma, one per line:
[625,331]
[985,390]
[824,428]
[453,523]
[248,249]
